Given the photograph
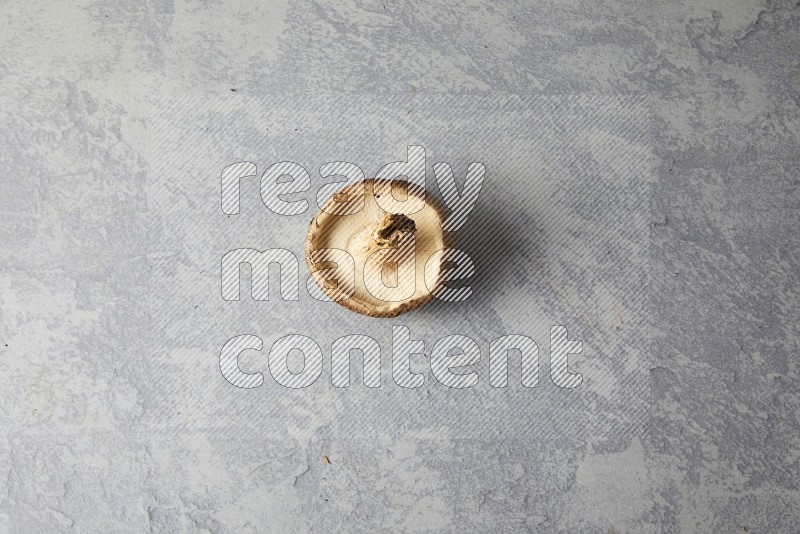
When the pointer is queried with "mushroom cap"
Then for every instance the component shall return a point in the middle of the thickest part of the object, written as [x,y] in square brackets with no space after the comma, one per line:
[356,233]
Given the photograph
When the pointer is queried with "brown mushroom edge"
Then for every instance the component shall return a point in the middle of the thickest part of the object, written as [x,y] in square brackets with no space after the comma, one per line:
[350,303]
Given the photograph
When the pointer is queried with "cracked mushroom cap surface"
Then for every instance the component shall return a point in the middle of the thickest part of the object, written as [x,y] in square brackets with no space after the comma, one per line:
[389,250]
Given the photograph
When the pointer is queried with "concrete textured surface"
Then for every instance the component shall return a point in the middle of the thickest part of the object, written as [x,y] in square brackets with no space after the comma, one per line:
[114,414]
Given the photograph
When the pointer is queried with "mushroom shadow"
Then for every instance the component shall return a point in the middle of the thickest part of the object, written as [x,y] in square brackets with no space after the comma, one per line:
[505,249]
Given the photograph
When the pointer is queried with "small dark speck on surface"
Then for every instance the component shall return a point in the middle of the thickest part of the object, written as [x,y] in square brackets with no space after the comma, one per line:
[234,90]
[661,224]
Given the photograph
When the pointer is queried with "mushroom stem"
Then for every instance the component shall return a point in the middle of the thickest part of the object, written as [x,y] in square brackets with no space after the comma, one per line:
[393,228]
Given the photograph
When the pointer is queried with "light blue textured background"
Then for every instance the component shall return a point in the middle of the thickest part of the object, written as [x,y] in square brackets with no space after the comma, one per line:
[559,236]
[106,424]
